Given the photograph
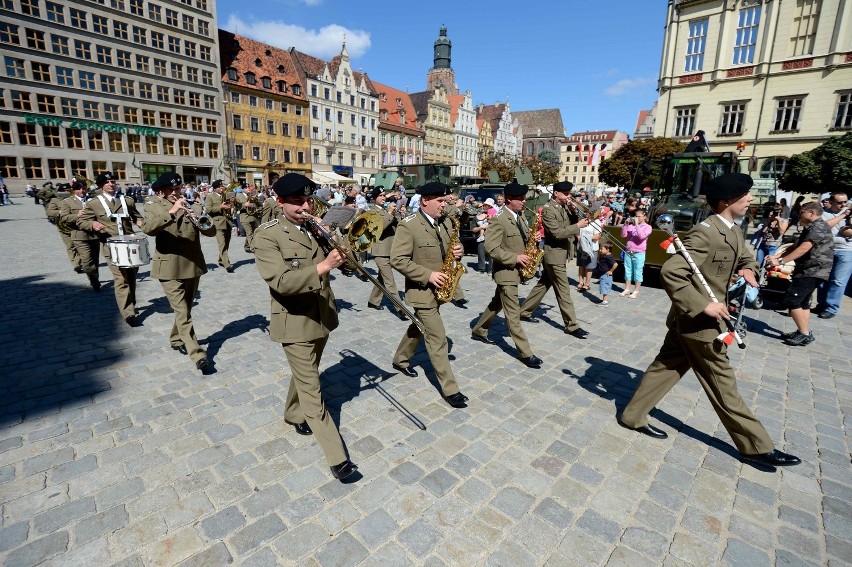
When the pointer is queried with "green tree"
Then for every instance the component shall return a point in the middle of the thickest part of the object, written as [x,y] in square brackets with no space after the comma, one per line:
[544,171]
[501,163]
[825,168]
[549,156]
[621,167]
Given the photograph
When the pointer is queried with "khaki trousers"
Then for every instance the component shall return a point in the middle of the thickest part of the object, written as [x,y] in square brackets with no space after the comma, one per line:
[304,398]
[87,250]
[249,228]
[505,298]
[125,285]
[555,276]
[386,277]
[181,294]
[223,240]
[710,363]
[73,256]
[436,347]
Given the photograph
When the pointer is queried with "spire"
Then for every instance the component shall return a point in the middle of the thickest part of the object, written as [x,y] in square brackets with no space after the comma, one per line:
[443,46]
[343,53]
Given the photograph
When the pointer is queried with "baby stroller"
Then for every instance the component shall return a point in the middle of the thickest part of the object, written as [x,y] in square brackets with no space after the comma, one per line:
[774,280]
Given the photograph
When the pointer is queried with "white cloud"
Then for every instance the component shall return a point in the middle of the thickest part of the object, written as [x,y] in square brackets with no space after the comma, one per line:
[625,85]
[311,2]
[324,42]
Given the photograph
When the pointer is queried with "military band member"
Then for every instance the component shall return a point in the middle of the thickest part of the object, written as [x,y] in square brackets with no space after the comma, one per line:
[46,194]
[418,253]
[453,210]
[270,210]
[249,215]
[303,312]
[694,322]
[382,250]
[178,261]
[100,218]
[505,242]
[85,243]
[54,214]
[221,215]
[558,233]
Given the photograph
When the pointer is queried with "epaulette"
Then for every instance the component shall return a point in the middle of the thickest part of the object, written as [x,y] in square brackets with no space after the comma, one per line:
[150,202]
[705,223]
[268,224]
[409,217]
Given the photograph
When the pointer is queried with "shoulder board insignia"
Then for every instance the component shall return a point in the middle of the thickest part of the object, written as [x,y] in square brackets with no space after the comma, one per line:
[409,217]
[150,202]
[269,224]
[705,223]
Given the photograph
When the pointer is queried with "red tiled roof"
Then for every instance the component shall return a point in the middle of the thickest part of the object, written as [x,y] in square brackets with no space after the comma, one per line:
[455,101]
[388,97]
[492,113]
[249,56]
[643,114]
[608,136]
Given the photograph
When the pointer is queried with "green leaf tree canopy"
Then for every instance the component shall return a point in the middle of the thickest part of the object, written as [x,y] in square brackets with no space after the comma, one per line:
[620,167]
[825,168]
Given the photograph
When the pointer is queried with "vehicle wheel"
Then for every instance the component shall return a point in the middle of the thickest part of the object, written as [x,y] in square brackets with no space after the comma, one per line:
[741,329]
[758,302]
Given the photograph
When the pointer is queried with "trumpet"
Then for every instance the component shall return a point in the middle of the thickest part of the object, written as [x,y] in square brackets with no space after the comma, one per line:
[201,223]
[590,216]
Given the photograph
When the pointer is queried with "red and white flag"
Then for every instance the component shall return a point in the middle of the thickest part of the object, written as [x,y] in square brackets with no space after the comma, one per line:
[727,338]
[593,154]
[580,149]
[669,245]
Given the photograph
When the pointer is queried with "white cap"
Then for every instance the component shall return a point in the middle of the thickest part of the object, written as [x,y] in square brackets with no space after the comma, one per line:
[489,201]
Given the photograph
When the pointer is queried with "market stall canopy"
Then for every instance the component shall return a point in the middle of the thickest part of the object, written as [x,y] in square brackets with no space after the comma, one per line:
[331,178]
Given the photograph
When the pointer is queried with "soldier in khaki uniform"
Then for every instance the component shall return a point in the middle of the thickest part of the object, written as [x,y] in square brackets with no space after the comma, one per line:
[382,250]
[178,261]
[558,233]
[249,215]
[717,247]
[220,213]
[269,210]
[85,243]
[100,218]
[304,313]
[418,253]
[505,242]
[54,214]
[452,211]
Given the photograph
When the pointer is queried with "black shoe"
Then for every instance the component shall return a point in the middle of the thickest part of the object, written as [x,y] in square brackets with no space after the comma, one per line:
[132,321]
[773,458]
[180,348]
[481,338]
[301,428]
[78,269]
[529,319]
[401,315]
[457,400]
[826,315]
[376,307]
[230,269]
[96,285]
[785,336]
[344,469]
[648,430]
[202,364]
[460,303]
[800,339]
[408,371]
[818,309]
[578,333]
[532,361]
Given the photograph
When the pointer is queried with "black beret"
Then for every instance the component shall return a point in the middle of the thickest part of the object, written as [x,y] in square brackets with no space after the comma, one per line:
[727,186]
[293,184]
[167,180]
[563,186]
[217,184]
[375,194]
[47,184]
[64,187]
[515,189]
[103,177]
[78,185]
[433,188]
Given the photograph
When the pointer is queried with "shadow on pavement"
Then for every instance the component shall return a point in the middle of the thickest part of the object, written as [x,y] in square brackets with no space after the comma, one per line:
[56,340]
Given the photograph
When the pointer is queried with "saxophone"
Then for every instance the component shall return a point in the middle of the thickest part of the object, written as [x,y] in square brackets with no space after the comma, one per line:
[533,251]
[452,268]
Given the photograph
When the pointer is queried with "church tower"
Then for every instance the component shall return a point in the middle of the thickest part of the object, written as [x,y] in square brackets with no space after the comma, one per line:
[441,74]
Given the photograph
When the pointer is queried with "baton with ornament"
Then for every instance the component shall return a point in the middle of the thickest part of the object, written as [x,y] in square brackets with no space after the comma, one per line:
[666,222]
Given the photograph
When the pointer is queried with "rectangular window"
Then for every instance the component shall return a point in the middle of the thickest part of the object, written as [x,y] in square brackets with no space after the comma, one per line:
[87,79]
[166,119]
[140,35]
[843,112]
[189,49]
[270,128]
[183,147]
[41,72]
[91,109]
[239,150]
[212,126]
[255,153]
[100,24]
[69,106]
[96,140]
[169,146]
[9,34]
[30,8]
[148,117]
[746,39]
[152,145]
[54,12]
[204,27]
[271,155]
[137,8]
[74,138]
[197,124]
[285,130]
[207,78]
[8,167]
[155,13]
[119,29]
[78,19]
[804,28]
[299,132]
[15,68]
[27,135]
[733,115]
[209,102]
[56,168]
[157,40]
[254,124]
[134,143]
[111,112]
[5,133]
[104,54]
[142,63]
[339,117]
[199,148]
[181,121]
[213,150]
[107,84]
[163,93]
[122,58]
[188,23]
[33,169]
[119,168]
[174,44]
[78,165]
[127,87]
[146,90]
[131,115]
[695,45]
[192,74]
[160,67]
[252,100]
[194,99]
[685,121]
[50,134]
[171,18]
[179,96]
[787,112]
[60,44]
[116,141]
[83,49]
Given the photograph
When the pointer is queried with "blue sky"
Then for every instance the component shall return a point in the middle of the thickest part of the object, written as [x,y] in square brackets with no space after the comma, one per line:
[596,61]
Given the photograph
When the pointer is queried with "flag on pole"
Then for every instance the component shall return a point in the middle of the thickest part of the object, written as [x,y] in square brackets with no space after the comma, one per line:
[668,245]
[595,157]
[580,149]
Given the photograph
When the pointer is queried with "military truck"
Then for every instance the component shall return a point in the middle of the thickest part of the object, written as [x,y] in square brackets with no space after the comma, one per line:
[678,192]
[413,175]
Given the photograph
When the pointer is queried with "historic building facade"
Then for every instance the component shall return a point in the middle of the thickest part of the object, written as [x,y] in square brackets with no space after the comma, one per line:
[401,135]
[542,130]
[433,109]
[465,147]
[266,112]
[344,118]
[127,86]
[581,154]
[506,133]
[775,75]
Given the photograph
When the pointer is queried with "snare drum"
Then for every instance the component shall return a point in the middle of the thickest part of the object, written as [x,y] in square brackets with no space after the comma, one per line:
[129,251]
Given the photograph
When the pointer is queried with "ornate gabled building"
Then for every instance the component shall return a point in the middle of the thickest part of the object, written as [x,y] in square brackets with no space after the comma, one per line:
[344,118]
[645,123]
[542,131]
[582,152]
[465,146]
[503,129]
[433,110]
[266,111]
[485,141]
[401,134]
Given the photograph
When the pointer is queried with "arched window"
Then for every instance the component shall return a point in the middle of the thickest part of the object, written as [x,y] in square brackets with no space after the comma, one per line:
[530,147]
[773,167]
[250,78]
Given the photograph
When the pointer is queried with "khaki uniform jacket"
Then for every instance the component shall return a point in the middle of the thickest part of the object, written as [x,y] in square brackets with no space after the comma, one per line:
[383,246]
[177,254]
[94,211]
[221,220]
[503,242]
[54,212]
[558,233]
[270,209]
[416,253]
[719,252]
[302,303]
[68,214]
[247,215]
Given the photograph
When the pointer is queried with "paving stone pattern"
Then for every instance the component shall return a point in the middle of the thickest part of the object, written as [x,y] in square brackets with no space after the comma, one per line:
[114,450]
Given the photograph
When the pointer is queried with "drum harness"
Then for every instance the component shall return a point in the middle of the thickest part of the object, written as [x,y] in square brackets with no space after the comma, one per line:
[118,217]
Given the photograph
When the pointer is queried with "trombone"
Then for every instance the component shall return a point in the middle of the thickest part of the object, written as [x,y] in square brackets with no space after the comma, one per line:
[590,216]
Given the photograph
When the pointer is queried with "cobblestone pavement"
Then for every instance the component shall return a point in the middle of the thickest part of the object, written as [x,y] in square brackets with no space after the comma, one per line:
[115,450]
